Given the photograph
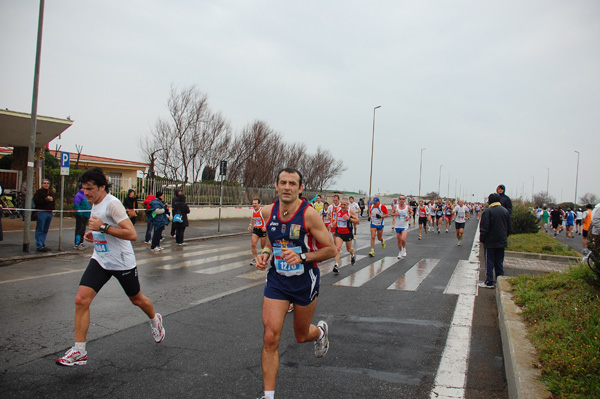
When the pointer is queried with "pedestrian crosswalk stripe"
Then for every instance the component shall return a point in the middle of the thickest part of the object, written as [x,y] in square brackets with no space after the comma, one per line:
[413,278]
[366,274]
[464,279]
[224,268]
[203,261]
[183,254]
[327,267]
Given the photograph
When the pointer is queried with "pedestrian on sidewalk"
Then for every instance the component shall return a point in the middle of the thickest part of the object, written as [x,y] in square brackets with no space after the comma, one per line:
[149,222]
[81,205]
[159,212]
[43,200]
[175,195]
[130,204]
[111,232]
[504,199]
[180,219]
[494,229]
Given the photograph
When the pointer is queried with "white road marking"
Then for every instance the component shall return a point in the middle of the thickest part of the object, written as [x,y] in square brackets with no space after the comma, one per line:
[452,373]
[202,261]
[412,279]
[366,274]
[182,255]
[41,276]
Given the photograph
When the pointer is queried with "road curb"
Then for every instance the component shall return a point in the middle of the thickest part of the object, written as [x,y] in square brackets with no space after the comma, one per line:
[552,258]
[519,354]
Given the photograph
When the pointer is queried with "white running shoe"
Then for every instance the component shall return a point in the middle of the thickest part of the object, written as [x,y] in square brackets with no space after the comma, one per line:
[400,255]
[157,249]
[73,358]
[159,330]
[322,345]
[404,252]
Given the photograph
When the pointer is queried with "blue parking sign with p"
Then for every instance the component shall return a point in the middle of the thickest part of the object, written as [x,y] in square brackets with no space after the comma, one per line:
[65,163]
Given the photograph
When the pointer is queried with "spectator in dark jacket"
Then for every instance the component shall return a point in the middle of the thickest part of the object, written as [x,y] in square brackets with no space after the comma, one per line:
[504,199]
[130,204]
[43,200]
[494,229]
[159,212]
[175,195]
[182,209]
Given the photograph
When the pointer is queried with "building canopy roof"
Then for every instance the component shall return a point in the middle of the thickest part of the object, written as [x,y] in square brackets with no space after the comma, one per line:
[15,128]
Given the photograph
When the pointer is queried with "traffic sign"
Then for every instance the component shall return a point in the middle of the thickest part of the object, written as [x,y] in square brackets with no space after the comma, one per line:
[65,163]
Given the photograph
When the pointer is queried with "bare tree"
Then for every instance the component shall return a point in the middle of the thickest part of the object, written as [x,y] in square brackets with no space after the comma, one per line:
[588,198]
[321,170]
[192,137]
[542,199]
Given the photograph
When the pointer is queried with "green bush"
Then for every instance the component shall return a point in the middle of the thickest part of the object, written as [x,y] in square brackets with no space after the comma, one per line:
[523,220]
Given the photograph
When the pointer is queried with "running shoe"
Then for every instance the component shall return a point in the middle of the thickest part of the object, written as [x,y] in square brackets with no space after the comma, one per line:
[181,244]
[382,244]
[420,237]
[157,249]
[291,308]
[426,231]
[459,243]
[322,345]
[404,252]
[73,358]
[439,231]
[336,269]
[371,253]
[353,259]
[253,262]
[147,242]
[446,231]
[159,330]
[400,255]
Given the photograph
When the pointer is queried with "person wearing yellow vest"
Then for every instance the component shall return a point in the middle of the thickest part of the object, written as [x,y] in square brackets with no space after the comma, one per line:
[258,228]
[318,205]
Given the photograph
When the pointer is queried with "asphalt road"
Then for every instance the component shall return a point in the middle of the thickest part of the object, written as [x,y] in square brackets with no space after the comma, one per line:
[389,326]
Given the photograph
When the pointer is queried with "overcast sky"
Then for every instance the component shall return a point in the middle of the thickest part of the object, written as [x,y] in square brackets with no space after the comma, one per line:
[496,91]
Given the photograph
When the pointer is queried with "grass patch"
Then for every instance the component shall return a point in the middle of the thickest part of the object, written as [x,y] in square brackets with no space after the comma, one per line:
[539,243]
[562,313]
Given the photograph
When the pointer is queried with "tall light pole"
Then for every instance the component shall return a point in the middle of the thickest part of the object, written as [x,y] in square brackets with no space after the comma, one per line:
[420,170]
[532,187]
[576,178]
[440,182]
[372,146]
[547,182]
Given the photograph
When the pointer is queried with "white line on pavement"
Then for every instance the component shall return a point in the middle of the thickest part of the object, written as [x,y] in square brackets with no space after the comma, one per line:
[452,372]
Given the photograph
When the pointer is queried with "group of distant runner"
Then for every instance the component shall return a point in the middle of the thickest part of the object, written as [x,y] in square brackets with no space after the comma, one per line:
[576,222]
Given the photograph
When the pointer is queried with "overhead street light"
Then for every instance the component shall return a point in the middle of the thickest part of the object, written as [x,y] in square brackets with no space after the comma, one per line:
[440,182]
[420,171]
[372,146]
[576,178]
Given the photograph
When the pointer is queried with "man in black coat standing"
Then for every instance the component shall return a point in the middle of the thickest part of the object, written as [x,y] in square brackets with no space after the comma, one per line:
[504,199]
[494,229]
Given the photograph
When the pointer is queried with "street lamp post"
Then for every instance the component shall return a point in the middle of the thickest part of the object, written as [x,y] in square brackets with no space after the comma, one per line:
[547,182]
[576,178]
[420,170]
[440,182]
[372,146]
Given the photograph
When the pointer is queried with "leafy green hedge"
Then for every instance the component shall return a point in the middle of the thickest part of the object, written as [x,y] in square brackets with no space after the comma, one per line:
[523,220]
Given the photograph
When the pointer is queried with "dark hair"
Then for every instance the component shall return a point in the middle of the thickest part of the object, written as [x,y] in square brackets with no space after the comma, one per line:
[96,176]
[290,170]
[256,199]
[131,190]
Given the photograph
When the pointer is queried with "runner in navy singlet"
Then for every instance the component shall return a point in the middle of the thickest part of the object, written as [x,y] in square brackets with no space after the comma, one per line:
[298,240]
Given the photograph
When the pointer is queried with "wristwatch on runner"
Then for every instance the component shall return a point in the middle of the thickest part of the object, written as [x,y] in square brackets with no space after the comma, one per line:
[303,257]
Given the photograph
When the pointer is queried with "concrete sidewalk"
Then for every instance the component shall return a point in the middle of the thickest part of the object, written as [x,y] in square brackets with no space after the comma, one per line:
[11,249]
